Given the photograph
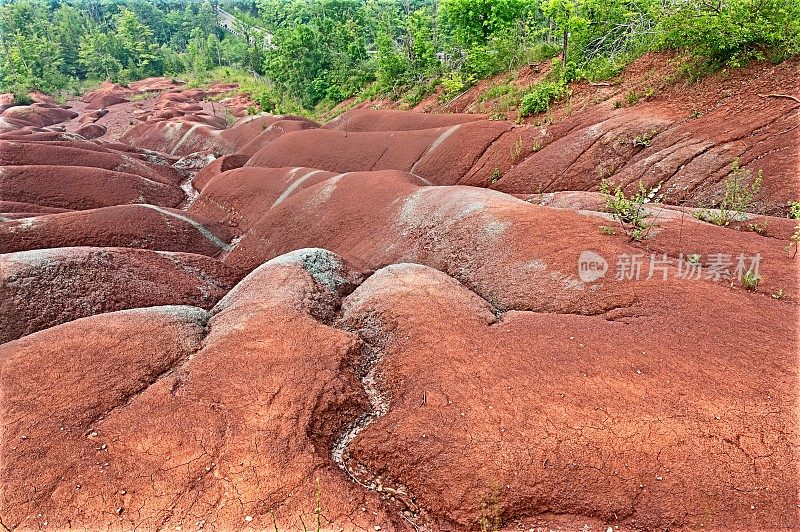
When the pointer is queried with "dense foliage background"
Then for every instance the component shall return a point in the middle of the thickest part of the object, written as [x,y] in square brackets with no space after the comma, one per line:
[301,54]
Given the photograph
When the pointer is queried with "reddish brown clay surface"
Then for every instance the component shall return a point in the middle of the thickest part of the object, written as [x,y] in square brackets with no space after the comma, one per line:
[401,320]
[42,288]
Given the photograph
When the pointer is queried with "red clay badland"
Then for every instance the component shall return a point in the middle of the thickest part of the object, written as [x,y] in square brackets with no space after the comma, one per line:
[398,320]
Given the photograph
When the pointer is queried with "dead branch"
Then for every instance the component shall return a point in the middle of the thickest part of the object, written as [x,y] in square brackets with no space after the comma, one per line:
[787,96]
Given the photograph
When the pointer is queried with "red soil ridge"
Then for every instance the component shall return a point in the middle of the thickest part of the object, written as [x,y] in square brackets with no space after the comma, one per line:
[381,322]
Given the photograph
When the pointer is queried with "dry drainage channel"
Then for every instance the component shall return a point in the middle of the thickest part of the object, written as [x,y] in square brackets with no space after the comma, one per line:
[379,406]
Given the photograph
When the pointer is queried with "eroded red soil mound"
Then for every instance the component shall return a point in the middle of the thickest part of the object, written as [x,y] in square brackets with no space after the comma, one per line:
[240,197]
[409,321]
[42,288]
[106,95]
[368,120]
[36,115]
[132,226]
[80,187]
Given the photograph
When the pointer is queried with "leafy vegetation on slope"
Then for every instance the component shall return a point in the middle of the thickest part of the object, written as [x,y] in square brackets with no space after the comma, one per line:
[324,51]
[54,45]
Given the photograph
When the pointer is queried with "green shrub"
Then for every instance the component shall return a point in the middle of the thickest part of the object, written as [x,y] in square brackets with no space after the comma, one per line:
[538,98]
[265,100]
[419,92]
[541,52]
[644,140]
[496,91]
[561,74]
[630,212]
[738,197]
[453,83]
[501,51]
[606,230]
[632,97]
[602,68]
[794,240]
[750,281]
[794,210]
[22,98]
[734,31]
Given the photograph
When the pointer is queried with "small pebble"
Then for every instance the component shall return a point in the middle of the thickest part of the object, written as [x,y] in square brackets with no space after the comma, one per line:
[248,518]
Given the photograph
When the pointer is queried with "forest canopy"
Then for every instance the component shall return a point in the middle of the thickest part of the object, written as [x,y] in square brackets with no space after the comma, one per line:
[323,51]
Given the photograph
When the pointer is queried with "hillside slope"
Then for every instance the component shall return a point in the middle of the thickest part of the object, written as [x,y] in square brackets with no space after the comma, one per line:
[648,124]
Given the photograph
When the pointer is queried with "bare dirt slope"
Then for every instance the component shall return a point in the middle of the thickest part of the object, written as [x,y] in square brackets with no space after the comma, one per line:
[399,320]
[649,124]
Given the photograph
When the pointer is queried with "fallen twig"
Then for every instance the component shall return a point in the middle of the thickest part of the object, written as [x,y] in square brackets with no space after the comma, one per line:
[457,97]
[787,96]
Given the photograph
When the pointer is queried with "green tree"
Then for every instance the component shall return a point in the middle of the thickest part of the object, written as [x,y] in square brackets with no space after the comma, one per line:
[137,50]
[31,60]
[214,50]
[392,65]
[98,55]
[421,47]
[320,51]
[68,28]
[567,16]
[470,22]
[197,53]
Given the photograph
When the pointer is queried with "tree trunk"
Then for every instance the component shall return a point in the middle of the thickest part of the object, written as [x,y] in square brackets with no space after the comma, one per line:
[409,36]
[564,51]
